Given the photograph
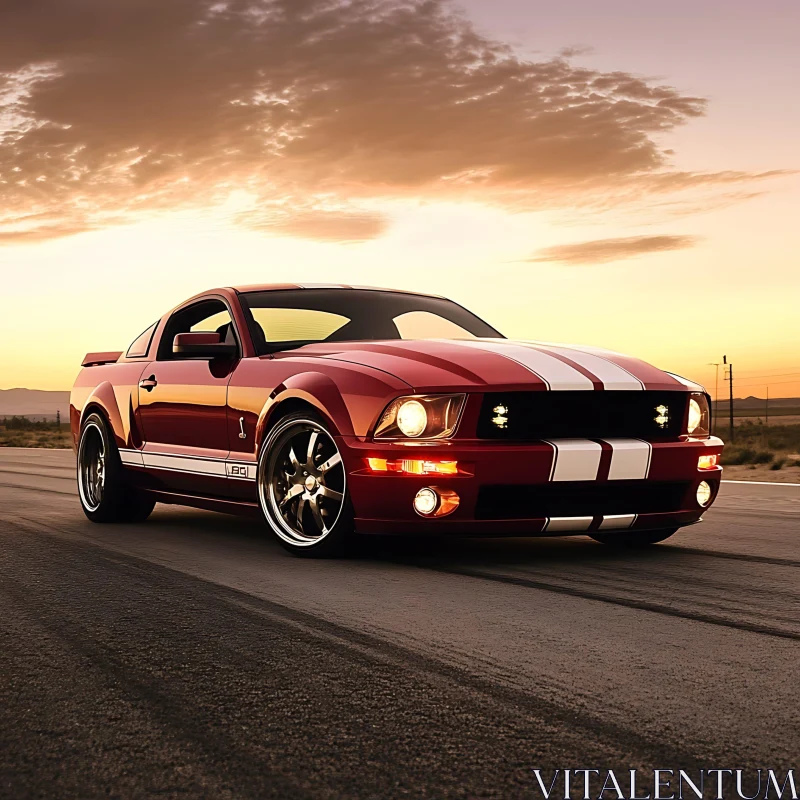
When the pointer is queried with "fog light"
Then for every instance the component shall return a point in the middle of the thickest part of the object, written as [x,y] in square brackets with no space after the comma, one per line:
[435,502]
[707,462]
[703,494]
[425,502]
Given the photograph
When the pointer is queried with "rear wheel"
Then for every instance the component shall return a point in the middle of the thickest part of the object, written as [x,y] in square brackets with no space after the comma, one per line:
[302,488]
[105,493]
[633,538]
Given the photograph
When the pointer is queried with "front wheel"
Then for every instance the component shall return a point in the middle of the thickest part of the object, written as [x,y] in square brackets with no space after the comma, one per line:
[633,538]
[302,488]
[105,494]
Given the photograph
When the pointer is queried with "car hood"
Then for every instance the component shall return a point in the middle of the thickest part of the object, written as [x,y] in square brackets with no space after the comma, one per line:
[474,364]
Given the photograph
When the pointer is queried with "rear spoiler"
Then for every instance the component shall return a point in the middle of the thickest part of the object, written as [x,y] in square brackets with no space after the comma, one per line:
[95,359]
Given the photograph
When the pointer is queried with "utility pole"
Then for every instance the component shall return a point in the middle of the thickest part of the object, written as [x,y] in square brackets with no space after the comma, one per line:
[767,408]
[715,405]
[730,388]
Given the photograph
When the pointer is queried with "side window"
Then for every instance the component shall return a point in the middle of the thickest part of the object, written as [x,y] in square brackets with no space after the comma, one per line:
[425,325]
[207,316]
[141,344]
[212,323]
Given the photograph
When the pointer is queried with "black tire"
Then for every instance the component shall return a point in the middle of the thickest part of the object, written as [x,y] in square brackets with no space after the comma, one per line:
[633,538]
[104,492]
[304,497]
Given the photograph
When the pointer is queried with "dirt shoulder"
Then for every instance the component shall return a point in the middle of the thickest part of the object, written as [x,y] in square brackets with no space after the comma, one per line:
[761,472]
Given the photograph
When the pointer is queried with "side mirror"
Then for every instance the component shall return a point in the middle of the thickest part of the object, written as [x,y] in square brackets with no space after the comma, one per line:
[202,345]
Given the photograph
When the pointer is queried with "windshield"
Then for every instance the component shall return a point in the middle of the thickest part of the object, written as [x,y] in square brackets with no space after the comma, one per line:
[282,319]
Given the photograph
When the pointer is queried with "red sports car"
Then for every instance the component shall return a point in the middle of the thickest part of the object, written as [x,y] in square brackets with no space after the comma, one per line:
[337,410]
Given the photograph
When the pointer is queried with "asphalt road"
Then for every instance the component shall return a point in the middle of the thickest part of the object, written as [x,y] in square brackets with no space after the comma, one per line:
[191,657]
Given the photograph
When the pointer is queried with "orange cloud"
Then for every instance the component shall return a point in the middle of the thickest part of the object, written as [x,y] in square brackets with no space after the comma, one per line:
[601,251]
[339,225]
[113,110]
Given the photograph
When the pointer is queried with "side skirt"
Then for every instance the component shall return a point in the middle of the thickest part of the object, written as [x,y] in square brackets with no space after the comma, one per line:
[238,508]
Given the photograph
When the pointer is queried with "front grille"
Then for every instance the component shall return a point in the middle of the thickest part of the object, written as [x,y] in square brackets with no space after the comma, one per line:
[582,415]
[579,499]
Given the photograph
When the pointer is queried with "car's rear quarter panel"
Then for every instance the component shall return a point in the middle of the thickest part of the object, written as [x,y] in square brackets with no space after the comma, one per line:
[113,389]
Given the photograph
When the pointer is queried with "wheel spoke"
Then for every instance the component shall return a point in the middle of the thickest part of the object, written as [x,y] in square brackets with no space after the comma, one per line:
[301,507]
[331,494]
[92,467]
[312,446]
[317,513]
[95,481]
[329,464]
[293,492]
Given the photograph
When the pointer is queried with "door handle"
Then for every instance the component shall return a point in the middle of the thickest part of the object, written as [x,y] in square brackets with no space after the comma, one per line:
[148,384]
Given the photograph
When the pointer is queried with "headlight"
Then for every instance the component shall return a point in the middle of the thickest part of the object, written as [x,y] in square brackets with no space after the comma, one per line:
[695,415]
[412,418]
[699,420]
[420,417]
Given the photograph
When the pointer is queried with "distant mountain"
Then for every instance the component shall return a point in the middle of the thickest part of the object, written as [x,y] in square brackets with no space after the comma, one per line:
[34,403]
[759,402]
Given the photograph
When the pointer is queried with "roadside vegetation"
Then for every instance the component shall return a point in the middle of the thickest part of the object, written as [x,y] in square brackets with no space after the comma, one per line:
[25,432]
[776,446]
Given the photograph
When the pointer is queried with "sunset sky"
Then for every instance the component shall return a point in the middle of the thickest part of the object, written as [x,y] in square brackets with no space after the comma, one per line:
[621,173]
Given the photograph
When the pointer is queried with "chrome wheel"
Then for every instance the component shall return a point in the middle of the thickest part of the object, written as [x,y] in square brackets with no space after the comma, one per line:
[302,482]
[92,467]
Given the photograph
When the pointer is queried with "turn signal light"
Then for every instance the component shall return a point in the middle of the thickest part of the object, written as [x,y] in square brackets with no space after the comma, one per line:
[413,466]
[707,462]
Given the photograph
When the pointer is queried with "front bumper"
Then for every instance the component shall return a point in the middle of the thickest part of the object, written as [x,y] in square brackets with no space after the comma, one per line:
[514,489]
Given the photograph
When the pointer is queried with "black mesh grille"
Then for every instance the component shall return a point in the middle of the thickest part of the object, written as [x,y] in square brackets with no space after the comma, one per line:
[579,499]
[584,415]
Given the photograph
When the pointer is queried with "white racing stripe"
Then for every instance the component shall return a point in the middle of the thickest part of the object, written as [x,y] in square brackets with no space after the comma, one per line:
[558,376]
[575,459]
[579,459]
[613,376]
[190,465]
[568,523]
[617,521]
[610,522]
[630,459]
[132,458]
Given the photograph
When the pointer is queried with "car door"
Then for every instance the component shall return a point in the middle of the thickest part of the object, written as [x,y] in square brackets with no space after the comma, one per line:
[275,319]
[182,404]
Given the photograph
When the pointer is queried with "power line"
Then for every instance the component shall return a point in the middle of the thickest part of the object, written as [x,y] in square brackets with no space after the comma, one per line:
[765,383]
[774,375]
[756,370]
